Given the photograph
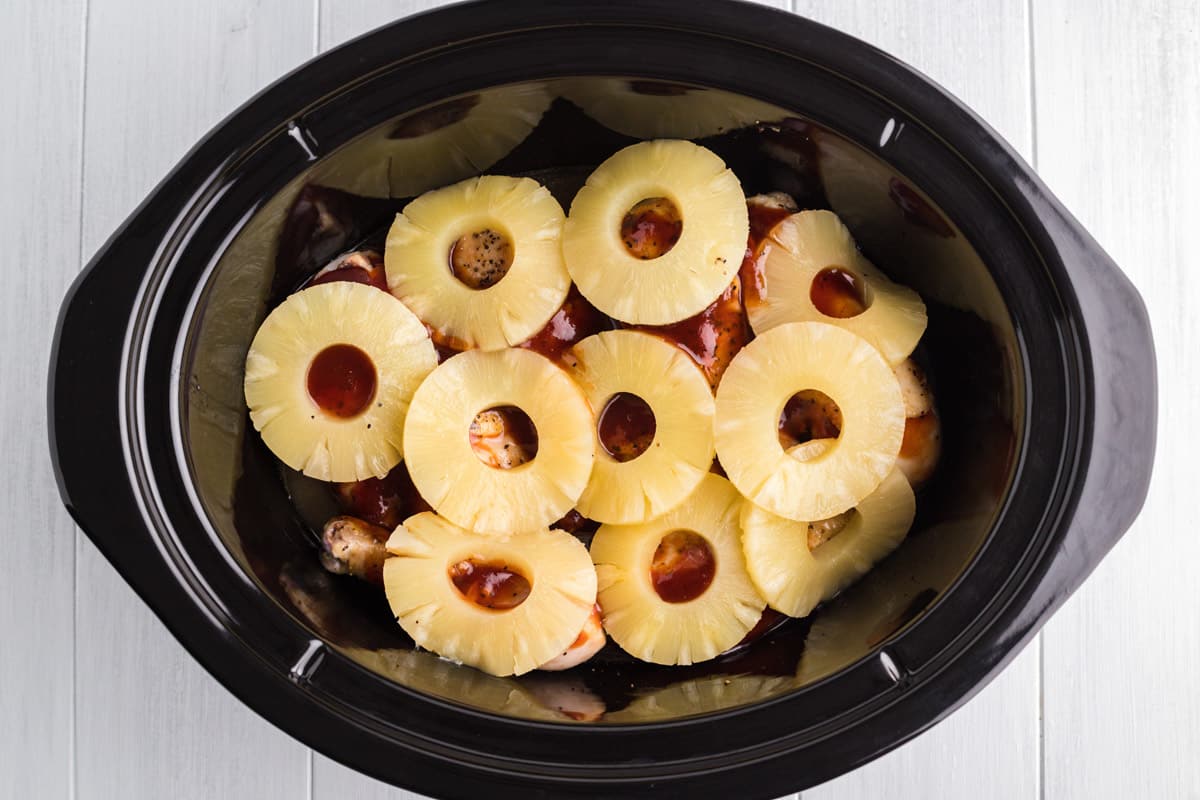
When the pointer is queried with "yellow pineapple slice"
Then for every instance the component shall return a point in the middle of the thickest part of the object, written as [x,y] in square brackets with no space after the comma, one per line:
[329,377]
[657,109]
[813,272]
[480,261]
[675,590]
[794,576]
[791,358]
[669,202]
[450,472]
[670,454]
[504,606]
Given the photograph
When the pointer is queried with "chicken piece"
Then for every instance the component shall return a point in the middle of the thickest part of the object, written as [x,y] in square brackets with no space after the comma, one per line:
[481,258]
[360,266]
[385,501]
[499,439]
[350,546]
[589,642]
[921,447]
[714,336]
[823,530]
[766,211]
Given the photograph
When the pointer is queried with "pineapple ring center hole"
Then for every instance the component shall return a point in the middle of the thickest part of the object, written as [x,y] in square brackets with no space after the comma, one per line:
[651,227]
[840,293]
[434,118]
[341,380]
[683,566]
[494,585]
[807,415]
[503,437]
[481,258]
[626,427]
[823,530]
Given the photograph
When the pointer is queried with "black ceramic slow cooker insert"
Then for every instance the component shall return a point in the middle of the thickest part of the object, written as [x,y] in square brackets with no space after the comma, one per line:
[1039,347]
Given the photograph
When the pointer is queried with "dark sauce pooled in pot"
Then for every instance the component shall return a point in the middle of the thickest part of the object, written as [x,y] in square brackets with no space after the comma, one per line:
[714,336]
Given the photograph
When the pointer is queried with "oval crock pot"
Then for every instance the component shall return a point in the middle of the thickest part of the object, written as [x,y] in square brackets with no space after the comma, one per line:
[1040,347]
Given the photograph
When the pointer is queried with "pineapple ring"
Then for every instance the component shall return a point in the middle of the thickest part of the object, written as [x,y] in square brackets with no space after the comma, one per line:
[679,456]
[803,245]
[479,497]
[793,578]
[695,271]
[516,306]
[293,426]
[500,642]
[755,389]
[652,629]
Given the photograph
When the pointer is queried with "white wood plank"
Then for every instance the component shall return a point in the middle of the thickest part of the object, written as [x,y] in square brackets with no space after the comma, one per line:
[989,748]
[41,59]
[1117,87]
[150,722]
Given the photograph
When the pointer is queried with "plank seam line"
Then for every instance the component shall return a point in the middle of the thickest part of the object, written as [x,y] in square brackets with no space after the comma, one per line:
[77,534]
[1030,47]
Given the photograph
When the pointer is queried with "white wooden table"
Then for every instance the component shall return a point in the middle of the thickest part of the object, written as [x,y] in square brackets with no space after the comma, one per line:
[98,701]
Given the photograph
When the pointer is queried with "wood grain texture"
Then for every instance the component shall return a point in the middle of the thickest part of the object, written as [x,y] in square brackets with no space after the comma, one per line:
[98,701]
[150,722]
[41,52]
[988,748]
[1117,89]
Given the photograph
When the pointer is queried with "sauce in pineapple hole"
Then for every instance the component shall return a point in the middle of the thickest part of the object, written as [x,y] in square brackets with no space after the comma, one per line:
[494,585]
[839,293]
[651,227]
[341,380]
[683,566]
[503,437]
[479,259]
[807,415]
[626,427]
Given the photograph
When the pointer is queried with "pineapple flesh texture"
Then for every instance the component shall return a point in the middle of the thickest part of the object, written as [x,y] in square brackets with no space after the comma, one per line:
[516,306]
[808,485]
[323,446]
[794,578]
[695,271]
[438,617]
[806,243]
[479,497]
[651,629]
[681,452]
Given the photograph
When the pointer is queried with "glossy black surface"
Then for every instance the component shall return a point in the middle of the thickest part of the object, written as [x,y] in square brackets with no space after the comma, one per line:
[156,470]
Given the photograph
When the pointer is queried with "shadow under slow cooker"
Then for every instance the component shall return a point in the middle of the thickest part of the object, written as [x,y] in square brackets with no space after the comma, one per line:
[270,518]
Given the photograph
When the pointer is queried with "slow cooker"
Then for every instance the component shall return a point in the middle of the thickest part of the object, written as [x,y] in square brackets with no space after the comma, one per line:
[1040,349]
